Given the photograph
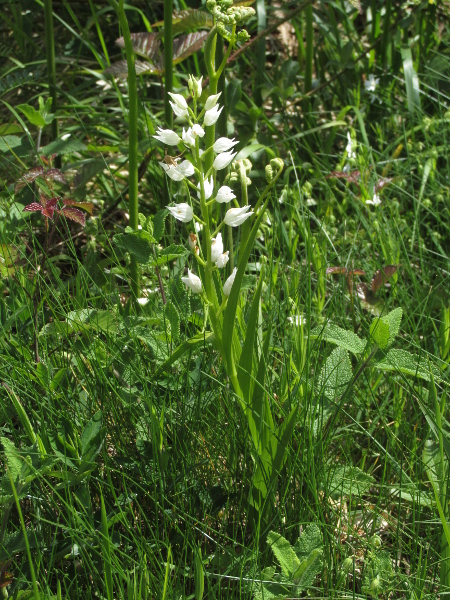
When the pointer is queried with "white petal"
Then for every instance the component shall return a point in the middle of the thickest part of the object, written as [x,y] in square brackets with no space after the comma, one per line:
[225,194]
[179,100]
[236,216]
[216,248]
[223,160]
[198,130]
[212,115]
[186,168]
[212,101]
[182,212]
[167,136]
[223,144]
[222,260]
[229,283]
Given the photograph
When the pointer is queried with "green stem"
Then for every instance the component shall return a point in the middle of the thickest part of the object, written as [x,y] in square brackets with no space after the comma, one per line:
[51,66]
[168,61]
[308,52]
[133,138]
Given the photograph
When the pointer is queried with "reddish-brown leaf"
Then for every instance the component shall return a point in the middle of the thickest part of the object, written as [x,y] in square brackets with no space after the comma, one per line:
[74,214]
[28,177]
[383,183]
[147,45]
[357,272]
[382,276]
[352,176]
[33,207]
[185,45]
[56,175]
[87,206]
[49,206]
[120,68]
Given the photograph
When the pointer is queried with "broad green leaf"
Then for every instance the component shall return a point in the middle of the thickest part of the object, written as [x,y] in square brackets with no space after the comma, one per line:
[8,256]
[347,480]
[336,374]
[173,318]
[10,129]
[185,20]
[408,364]
[379,332]
[158,223]
[8,142]
[34,116]
[12,457]
[138,243]
[393,319]
[309,569]
[343,338]
[284,553]
[62,147]
[92,438]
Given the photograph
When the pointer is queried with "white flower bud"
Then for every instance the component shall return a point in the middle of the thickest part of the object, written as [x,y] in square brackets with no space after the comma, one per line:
[179,100]
[212,101]
[182,212]
[229,283]
[195,85]
[167,136]
[216,248]
[223,144]
[172,172]
[186,168]
[188,137]
[222,260]
[193,282]
[192,241]
[223,160]
[212,115]
[236,216]
[198,130]
[225,194]
[208,185]
[179,112]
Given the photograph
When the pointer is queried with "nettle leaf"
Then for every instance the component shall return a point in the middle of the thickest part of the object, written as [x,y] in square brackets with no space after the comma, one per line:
[335,374]
[170,253]
[408,364]
[185,45]
[393,319]
[284,553]
[379,332]
[343,338]
[309,550]
[138,243]
[13,459]
[55,175]
[173,318]
[147,45]
[347,480]
[158,223]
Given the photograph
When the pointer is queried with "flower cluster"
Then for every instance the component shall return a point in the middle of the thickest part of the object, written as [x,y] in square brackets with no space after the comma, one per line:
[199,173]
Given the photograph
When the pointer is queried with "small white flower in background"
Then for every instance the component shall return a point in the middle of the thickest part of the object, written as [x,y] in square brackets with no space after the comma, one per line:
[193,282]
[223,144]
[186,168]
[229,283]
[167,136]
[225,194]
[212,115]
[188,137]
[351,146]
[236,216]
[212,101]
[198,130]
[65,137]
[172,172]
[375,200]
[192,241]
[222,260]
[298,320]
[179,100]
[208,185]
[179,112]
[371,83]
[182,212]
[216,247]
[195,85]
[223,160]
[198,226]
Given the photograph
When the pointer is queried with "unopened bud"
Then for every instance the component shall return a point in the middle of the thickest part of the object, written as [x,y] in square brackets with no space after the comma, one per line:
[192,241]
[243,36]
[277,163]
[269,173]
[223,31]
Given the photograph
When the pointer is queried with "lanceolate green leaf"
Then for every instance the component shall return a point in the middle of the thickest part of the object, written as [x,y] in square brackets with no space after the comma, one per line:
[197,340]
[284,553]
[408,364]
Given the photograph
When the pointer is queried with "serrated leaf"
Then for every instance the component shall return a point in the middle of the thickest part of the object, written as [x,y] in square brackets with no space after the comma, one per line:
[187,44]
[28,177]
[172,316]
[74,215]
[87,206]
[158,223]
[120,68]
[309,569]
[55,175]
[393,319]
[13,459]
[61,147]
[335,374]
[379,332]
[341,337]
[146,44]
[347,480]
[188,19]
[284,553]
[138,243]
[408,364]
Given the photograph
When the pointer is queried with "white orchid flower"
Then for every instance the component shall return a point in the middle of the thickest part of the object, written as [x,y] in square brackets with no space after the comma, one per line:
[167,136]
[225,194]
[222,260]
[179,100]
[186,168]
[198,130]
[212,115]
[223,144]
[193,282]
[172,172]
[179,112]
[236,216]
[351,146]
[208,185]
[188,137]
[216,248]
[375,200]
[223,160]
[229,283]
[192,241]
[182,212]
[195,85]
[212,101]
